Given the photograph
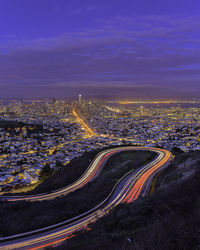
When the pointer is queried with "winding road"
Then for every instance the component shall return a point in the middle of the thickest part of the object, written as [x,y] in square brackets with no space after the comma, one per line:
[132,185]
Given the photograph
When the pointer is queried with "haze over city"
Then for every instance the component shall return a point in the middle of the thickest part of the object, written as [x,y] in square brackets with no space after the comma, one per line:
[99,48]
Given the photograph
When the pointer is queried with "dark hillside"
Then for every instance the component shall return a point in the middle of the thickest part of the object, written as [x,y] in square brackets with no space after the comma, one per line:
[169,219]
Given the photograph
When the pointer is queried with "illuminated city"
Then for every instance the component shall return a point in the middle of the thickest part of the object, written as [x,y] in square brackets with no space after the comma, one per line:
[52,132]
[99,125]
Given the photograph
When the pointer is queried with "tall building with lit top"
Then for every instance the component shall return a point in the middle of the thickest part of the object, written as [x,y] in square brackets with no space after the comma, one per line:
[79,98]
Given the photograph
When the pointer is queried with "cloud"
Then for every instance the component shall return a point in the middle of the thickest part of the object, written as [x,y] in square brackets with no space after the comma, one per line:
[148,50]
[84,9]
[8,36]
[77,11]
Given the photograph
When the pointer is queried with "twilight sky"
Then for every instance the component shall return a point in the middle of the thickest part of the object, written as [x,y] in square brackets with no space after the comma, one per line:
[125,48]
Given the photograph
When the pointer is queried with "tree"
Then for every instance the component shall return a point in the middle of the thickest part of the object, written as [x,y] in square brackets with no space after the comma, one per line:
[46,171]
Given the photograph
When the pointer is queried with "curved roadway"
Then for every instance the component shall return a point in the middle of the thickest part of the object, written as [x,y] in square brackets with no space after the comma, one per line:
[127,189]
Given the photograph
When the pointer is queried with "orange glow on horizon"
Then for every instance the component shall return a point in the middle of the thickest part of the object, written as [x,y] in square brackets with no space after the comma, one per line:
[154,102]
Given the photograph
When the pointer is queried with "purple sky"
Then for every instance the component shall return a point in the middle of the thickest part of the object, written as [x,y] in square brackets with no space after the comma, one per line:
[135,48]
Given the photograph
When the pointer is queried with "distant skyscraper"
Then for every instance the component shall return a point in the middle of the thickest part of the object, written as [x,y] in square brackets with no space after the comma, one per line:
[53,100]
[79,98]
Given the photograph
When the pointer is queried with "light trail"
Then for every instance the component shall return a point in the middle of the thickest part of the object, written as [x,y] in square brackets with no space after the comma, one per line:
[86,127]
[127,189]
[91,172]
[116,110]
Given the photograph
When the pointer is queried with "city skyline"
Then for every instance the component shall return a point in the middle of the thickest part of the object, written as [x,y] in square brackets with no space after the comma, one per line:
[123,49]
